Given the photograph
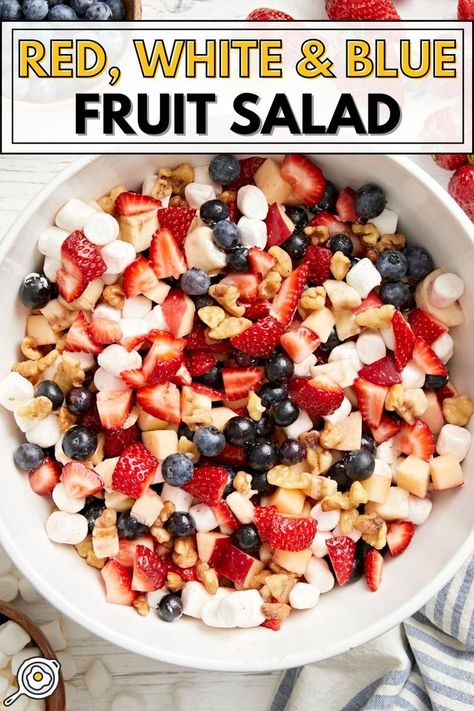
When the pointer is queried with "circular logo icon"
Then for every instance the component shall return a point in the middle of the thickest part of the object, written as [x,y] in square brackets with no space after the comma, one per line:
[37,678]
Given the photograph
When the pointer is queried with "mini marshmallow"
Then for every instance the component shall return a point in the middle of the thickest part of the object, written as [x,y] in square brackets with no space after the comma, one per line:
[63,527]
[363,277]
[101,228]
[444,347]
[454,440]
[327,520]
[13,638]
[388,337]
[241,507]
[19,658]
[198,193]
[68,665]
[346,351]
[105,311]
[445,290]
[387,452]
[304,596]
[46,432]
[412,376]
[180,498]
[65,502]
[55,634]
[386,223]
[202,252]
[318,574]
[201,176]
[27,591]
[97,679]
[50,241]
[204,518]
[117,256]
[50,268]
[155,319]
[302,370]
[132,327]
[193,597]
[303,423]
[86,360]
[252,202]
[318,546]
[8,587]
[115,359]
[418,509]
[343,411]
[370,347]
[253,232]
[210,610]
[73,215]
[353,533]
[125,701]
[5,562]
[241,609]
[106,382]
[15,391]
[136,307]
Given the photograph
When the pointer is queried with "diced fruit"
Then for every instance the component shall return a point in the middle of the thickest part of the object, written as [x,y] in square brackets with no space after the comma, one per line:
[117,439]
[306,179]
[164,357]
[44,478]
[210,544]
[404,340]
[81,258]
[299,344]
[433,415]
[260,262]
[257,309]
[373,566]
[70,287]
[238,382]
[352,429]
[413,474]
[333,224]
[279,225]
[446,472]
[399,535]
[425,326]
[285,532]
[346,205]
[178,310]
[213,395]
[104,331]
[271,182]
[387,428]
[237,565]
[118,583]
[199,361]
[138,278]
[114,407]
[127,548]
[294,561]
[166,257]
[318,260]
[288,501]
[341,550]
[371,400]
[134,471]
[321,323]
[382,372]
[317,396]
[286,300]
[371,301]
[247,284]
[80,481]
[260,339]
[149,571]
[78,338]
[134,204]
[426,359]
[177,220]
[416,439]
[208,484]
[162,401]
[225,518]
[134,378]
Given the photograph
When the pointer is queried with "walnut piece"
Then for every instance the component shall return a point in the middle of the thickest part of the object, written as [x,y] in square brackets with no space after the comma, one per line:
[37,409]
[177,201]
[174,582]
[94,561]
[458,410]
[284,265]
[228,196]
[168,509]
[336,501]
[160,533]
[242,482]
[227,296]
[162,187]
[276,611]
[141,605]
[331,436]
[66,418]
[318,458]
[378,317]
[394,242]
[200,417]
[185,446]
[317,233]
[208,577]
[212,316]
[255,407]
[373,529]
[340,265]
[230,327]
[347,520]
[270,286]
[32,368]
[184,554]
[357,494]
[320,486]
[313,299]
[29,348]
[287,477]
[114,295]
[394,398]
[69,374]
[368,234]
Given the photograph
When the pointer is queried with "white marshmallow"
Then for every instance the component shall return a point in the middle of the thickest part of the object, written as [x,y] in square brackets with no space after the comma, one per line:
[445,290]
[193,597]
[210,610]
[50,241]
[386,223]
[106,382]
[444,347]
[8,587]
[125,701]
[252,202]
[54,632]
[97,679]
[117,256]
[115,359]
[370,346]
[65,502]
[68,665]
[155,319]
[180,498]
[241,609]
[15,391]
[346,351]
[302,370]
[303,423]
[132,327]
[45,433]
[50,268]
[136,307]
[418,509]
[5,562]
[388,337]
[353,533]
[318,546]
[253,232]
[105,311]
[241,507]
[19,658]
[343,411]
[28,593]
[73,215]
[202,252]
[101,228]
[327,520]
[454,440]
[63,527]
[304,596]
[198,193]
[203,517]
[363,277]
[412,376]
[318,574]
[86,360]
[13,638]
[387,452]
[201,176]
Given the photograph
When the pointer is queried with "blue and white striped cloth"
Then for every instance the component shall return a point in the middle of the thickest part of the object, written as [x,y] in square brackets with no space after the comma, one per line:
[425,664]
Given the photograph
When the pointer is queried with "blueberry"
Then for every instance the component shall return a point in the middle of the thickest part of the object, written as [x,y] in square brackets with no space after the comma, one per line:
[392,265]
[370,201]
[367,442]
[213,378]
[246,537]
[79,442]
[279,368]
[238,259]
[292,451]
[264,428]
[329,198]
[170,607]
[229,487]
[226,234]
[357,571]
[224,169]
[341,243]
[28,457]
[213,211]
[262,455]
[128,527]
[98,12]
[195,282]
[244,359]
[34,10]
[35,291]
[271,393]
[92,510]
[395,292]
[10,10]
[260,483]
[295,246]
[436,382]
[239,431]
[119,11]
[337,472]
[181,524]
[359,464]
[79,400]
[205,300]
[62,13]
[177,469]
[51,390]
[298,216]
[209,441]
[80,7]
[284,412]
[331,342]
[420,263]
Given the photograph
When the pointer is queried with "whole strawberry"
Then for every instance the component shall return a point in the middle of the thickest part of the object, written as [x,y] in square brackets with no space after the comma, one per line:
[361,10]
[450,161]
[466,9]
[266,13]
[461,188]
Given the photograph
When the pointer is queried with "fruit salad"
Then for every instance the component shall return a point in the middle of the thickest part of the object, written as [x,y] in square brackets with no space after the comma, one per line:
[234,388]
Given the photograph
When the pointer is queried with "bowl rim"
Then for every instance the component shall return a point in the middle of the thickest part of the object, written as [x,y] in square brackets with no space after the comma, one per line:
[114,636]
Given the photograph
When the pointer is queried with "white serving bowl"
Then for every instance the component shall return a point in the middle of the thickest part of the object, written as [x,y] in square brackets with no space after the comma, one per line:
[344,617]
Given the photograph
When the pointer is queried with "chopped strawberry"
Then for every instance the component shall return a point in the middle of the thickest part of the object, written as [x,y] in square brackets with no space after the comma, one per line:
[266,14]
[425,326]
[341,551]
[246,283]
[44,478]
[134,204]
[317,396]
[272,624]
[177,220]
[306,179]
[371,400]
[260,338]
[427,360]
[443,393]
[134,471]
[182,376]
[371,301]
[345,205]
[387,428]
[166,257]
[70,287]
[149,571]
[208,484]
[299,344]
[340,10]
[185,574]
[260,262]
[248,168]
[373,566]
[232,455]
[318,260]
[263,518]
[257,309]
[80,481]
[138,278]
[114,407]
[451,161]
[213,395]
[225,518]
[416,439]
[104,331]
[466,10]
[285,532]
[382,372]
[117,439]
[133,343]
[199,361]
[197,337]
[127,548]
[179,312]
[81,258]
[333,224]
[134,378]
[399,535]
[118,583]
[404,341]
[162,401]
[238,382]
[164,357]
[78,338]
[286,300]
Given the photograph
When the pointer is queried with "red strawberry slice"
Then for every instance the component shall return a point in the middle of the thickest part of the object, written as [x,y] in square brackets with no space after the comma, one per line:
[260,338]
[44,478]
[416,439]
[285,532]
[346,205]
[246,283]
[104,331]
[427,360]
[164,357]
[260,262]
[139,277]
[126,554]
[177,220]
[306,179]
[272,624]
[371,301]
[185,574]
[340,10]
[135,471]
[318,260]
[162,401]
[166,257]
[382,372]
[225,518]
[318,396]
[118,583]
[387,428]
[81,258]
[263,518]
[239,382]
[341,550]
[114,407]
[333,224]
[78,338]
[371,400]
[248,168]
[257,309]
[266,14]
[199,361]
[69,286]
[213,395]
[197,337]
[399,535]
[286,300]
[232,455]
[149,571]
[116,440]
[425,326]
[134,378]
[373,566]
[404,340]
[132,343]
[134,204]
[299,344]
[208,484]
[80,481]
